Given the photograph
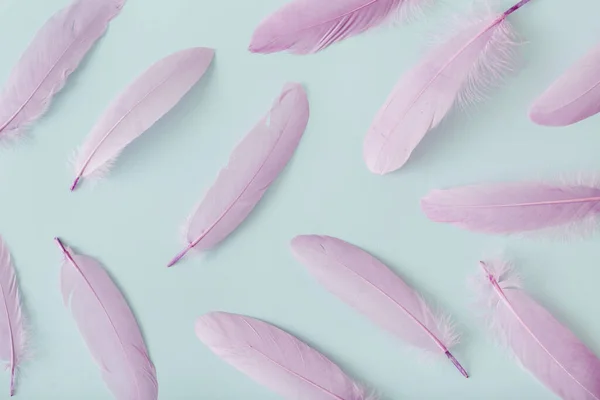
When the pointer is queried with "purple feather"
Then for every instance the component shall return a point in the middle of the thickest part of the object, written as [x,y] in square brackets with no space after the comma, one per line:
[254,165]
[55,52]
[542,344]
[276,359]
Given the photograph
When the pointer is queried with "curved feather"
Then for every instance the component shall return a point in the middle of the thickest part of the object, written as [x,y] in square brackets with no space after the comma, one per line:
[143,103]
[276,359]
[574,97]
[12,333]
[541,343]
[52,56]
[108,327]
[513,207]
[460,69]
[309,26]
[365,283]
[253,166]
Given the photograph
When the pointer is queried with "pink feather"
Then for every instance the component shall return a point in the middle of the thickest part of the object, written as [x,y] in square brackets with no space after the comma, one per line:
[574,97]
[459,70]
[55,52]
[108,327]
[513,207]
[276,359]
[253,166]
[142,103]
[309,26]
[12,333]
[541,343]
[369,286]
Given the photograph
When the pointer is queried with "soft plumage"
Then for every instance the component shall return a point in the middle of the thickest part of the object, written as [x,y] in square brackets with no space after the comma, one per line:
[108,327]
[276,359]
[549,350]
[140,105]
[308,26]
[55,52]
[254,164]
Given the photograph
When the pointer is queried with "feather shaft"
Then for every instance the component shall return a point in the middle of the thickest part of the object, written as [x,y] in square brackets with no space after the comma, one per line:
[515,7]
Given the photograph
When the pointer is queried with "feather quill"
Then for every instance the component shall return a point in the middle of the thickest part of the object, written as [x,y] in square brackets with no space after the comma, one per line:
[55,52]
[276,359]
[514,207]
[254,164]
[141,104]
[459,70]
[574,97]
[542,344]
[365,283]
[108,327]
[309,26]
[12,333]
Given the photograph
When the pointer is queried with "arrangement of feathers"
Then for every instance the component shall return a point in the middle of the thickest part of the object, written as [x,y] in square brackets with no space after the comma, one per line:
[366,284]
[108,327]
[574,97]
[309,26]
[253,166]
[52,56]
[276,359]
[459,70]
[541,343]
[143,103]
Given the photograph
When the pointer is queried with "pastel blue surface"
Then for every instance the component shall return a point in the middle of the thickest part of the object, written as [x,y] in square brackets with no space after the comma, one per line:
[131,220]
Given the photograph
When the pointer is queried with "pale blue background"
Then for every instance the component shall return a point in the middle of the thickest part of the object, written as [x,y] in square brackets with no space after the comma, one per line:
[131,221]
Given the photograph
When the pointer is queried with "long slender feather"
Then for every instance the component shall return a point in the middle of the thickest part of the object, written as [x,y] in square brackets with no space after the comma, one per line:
[276,359]
[574,97]
[253,166]
[542,344]
[108,327]
[309,26]
[140,105]
[459,70]
[55,52]
[12,333]
[514,207]
[369,286]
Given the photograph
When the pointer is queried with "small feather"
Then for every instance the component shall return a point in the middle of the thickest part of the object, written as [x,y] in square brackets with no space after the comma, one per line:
[55,52]
[142,103]
[276,359]
[542,344]
[309,26]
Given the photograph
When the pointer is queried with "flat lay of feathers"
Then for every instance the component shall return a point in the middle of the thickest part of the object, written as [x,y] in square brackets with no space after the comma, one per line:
[12,333]
[574,97]
[254,164]
[108,327]
[55,52]
[459,70]
[365,283]
[508,208]
[276,359]
[543,345]
[309,26]
[140,105]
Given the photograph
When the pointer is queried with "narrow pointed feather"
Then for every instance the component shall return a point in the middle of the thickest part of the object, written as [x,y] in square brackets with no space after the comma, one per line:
[574,97]
[548,349]
[309,26]
[55,52]
[513,207]
[276,359]
[108,327]
[365,283]
[12,333]
[457,71]
[143,103]
[254,165]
